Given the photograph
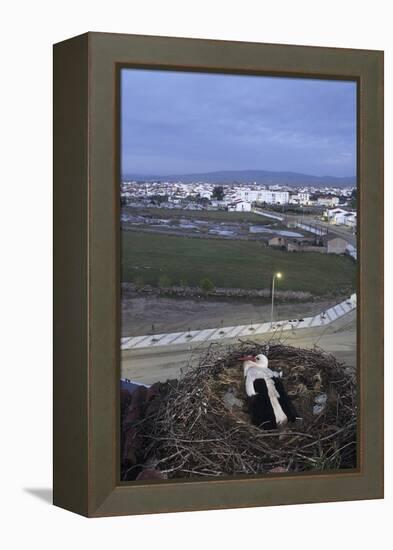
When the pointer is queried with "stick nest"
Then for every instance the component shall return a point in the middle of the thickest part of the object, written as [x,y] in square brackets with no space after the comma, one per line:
[199,426]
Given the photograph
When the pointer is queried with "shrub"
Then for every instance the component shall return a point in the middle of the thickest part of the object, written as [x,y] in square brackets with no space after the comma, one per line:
[207,285]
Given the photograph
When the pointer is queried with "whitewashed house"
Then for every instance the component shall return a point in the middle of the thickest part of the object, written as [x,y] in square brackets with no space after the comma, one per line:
[216,204]
[336,216]
[328,201]
[239,206]
[350,219]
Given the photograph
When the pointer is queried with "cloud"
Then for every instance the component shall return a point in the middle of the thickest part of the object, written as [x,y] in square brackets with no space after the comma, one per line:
[174,122]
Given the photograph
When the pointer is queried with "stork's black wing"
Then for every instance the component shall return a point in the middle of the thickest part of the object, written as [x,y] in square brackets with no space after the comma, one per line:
[261,410]
[260,386]
[285,401]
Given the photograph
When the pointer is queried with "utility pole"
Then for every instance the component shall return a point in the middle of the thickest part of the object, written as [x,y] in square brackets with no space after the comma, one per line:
[278,275]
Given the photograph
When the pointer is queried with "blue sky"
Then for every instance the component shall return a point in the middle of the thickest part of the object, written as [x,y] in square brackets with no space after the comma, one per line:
[183,123]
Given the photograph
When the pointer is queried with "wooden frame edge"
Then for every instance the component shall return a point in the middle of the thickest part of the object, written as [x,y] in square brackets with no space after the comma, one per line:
[102,495]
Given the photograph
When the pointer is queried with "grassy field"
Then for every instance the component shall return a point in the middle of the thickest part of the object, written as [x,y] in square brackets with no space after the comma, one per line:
[162,259]
[210,215]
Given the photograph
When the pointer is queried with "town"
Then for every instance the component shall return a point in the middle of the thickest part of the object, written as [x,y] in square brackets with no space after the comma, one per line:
[305,218]
[334,204]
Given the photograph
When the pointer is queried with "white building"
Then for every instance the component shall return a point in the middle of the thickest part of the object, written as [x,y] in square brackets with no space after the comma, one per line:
[214,203]
[239,206]
[328,201]
[338,216]
[300,198]
[264,195]
[350,219]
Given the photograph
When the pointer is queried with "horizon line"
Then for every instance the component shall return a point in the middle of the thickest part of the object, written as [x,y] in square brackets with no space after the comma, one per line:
[212,172]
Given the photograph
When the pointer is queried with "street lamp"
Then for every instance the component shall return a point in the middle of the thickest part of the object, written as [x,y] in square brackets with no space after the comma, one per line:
[278,275]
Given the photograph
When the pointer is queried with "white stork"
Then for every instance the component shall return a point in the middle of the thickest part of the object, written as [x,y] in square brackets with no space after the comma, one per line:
[270,406]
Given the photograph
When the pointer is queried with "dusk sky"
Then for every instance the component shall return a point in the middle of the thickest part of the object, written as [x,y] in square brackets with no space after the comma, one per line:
[184,123]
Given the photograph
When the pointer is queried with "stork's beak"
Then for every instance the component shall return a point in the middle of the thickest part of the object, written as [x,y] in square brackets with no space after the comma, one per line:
[247,358]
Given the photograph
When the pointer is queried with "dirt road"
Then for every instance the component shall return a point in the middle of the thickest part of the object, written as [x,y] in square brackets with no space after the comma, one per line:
[140,313]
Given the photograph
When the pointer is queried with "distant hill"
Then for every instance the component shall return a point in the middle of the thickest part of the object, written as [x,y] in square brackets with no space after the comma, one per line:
[264,177]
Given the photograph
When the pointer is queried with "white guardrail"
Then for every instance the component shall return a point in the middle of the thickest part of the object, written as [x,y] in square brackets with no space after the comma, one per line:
[267,214]
[240,331]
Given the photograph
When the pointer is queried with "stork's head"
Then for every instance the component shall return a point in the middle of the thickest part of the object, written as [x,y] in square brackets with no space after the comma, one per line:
[249,361]
[261,360]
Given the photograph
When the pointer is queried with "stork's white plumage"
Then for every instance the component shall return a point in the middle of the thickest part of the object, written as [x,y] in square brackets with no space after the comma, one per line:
[259,380]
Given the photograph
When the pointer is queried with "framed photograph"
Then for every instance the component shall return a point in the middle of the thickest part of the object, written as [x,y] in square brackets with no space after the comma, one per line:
[218,274]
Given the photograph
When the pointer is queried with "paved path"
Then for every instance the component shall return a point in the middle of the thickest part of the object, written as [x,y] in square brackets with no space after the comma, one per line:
[152,364]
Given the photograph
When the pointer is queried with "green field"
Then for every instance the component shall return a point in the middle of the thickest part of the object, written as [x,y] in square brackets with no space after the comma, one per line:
[210,215]
[157,259]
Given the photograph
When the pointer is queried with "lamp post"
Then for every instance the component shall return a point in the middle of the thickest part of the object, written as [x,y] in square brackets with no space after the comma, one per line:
[278,275]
